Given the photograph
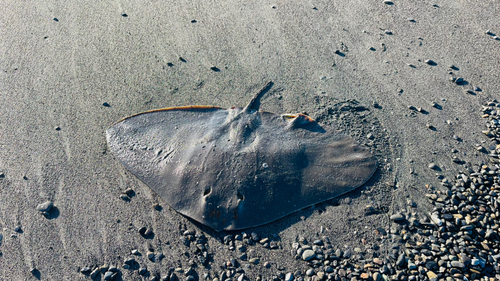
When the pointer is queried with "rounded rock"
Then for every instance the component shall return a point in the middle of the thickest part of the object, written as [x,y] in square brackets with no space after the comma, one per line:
[45,207]
[308,255]
[397,217]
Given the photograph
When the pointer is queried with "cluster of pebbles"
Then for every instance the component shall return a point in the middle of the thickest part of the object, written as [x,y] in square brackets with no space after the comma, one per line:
[492,112]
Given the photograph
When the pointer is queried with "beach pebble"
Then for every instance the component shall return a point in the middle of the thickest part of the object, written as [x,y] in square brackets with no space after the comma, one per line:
[308,255]
[94,273]
[85,270]
[430,62]
[397,217]
[109,275]
[150,256]
[457,264]
[143,270]
[254,260]
[432,166]
[45,207]
[401,261]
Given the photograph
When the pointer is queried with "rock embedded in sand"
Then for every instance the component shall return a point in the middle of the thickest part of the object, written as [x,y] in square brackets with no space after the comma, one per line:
[432,166]
[45,207]
[430,62]
[397,217]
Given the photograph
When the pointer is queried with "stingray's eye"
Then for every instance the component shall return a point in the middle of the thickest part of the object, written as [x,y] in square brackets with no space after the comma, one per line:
[297,120]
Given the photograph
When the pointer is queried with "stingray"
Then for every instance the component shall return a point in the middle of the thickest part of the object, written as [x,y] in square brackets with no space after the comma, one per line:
[237,168]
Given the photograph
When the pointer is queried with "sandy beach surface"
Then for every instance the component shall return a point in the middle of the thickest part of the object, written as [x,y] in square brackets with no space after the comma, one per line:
[379,71]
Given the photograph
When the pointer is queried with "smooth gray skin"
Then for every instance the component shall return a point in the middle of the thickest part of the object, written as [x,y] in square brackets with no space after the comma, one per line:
[237,168]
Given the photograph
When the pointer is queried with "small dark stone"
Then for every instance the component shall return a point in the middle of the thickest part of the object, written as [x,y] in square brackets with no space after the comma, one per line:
[401,260]
[35,272]
[430,62]
[124,15]
[105,104]
[143,271]
[254,236]
[129,261]
[214,68]
[347,254]
[55,19]
[431,265]
[193,21]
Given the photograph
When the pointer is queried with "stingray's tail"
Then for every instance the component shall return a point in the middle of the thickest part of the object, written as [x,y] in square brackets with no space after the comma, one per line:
[253,103]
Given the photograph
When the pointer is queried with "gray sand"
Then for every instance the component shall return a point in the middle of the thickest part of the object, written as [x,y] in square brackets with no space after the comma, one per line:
[56,75]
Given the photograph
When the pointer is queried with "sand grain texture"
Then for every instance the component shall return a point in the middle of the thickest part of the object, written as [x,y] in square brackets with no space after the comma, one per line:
[56,75]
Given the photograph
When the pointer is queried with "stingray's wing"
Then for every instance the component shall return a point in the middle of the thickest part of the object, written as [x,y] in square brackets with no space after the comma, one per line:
[297,166]
[157,146]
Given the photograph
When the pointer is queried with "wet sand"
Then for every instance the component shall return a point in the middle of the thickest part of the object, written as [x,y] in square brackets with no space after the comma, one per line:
[69,70]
